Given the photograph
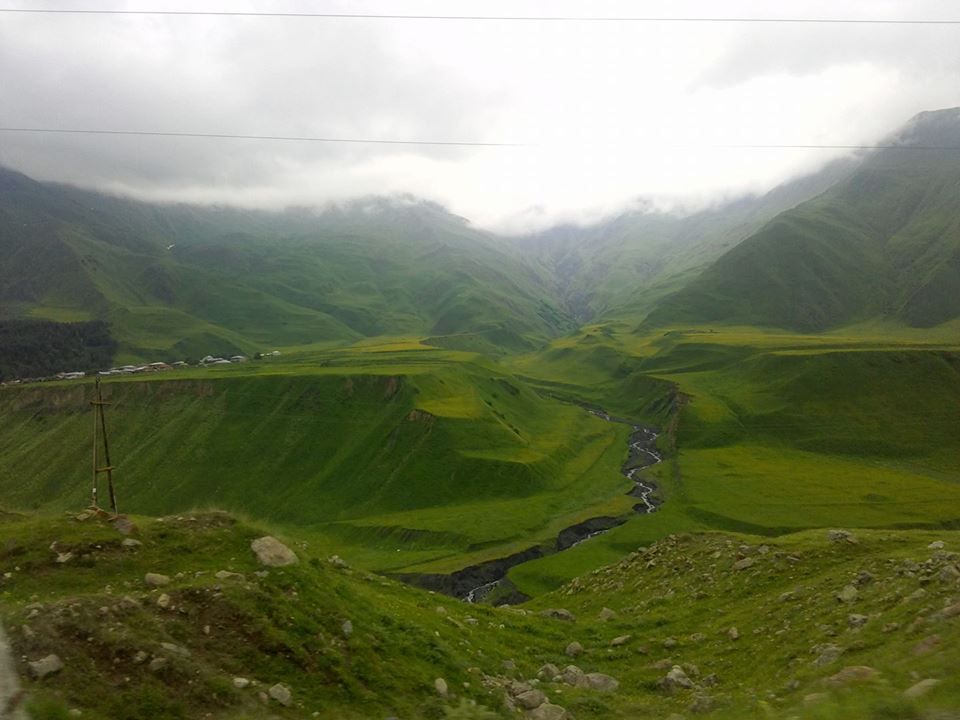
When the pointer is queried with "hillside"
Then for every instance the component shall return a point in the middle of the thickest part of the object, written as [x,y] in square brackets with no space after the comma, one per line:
[177,280]
[177,617]
[883,243]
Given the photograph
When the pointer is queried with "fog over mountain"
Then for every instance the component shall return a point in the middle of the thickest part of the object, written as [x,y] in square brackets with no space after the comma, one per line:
[604,112]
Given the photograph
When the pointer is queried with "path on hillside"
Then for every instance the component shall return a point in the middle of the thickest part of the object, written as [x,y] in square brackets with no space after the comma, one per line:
[474,583]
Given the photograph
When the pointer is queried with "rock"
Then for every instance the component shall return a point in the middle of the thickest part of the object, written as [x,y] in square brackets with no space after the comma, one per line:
[864,577]
[440,685]
[140,658]
[281,693]
[733,633]
[702,703]
[936,545]
[814,698]
[743,564]
[848,594]
[921,688]
[601,683]
[676,679]
[123,525]
[852,675]
[842,536]
[606,614]
[827,654]
[927,645]
[950,611]
[227,575]
[156,579]
[548,671]
[338,562]
[620,640]
[64,557]
[787,596]
[130,543]
[49,665]
[855,620]
[530,699]
[670,643]
[572,675]
[241,682]
[163,602]
[272,552]
[347,628]
[574,649]
[508,665]
[157,664]
[175,649]
[547,711]
[948,573]
[558,614]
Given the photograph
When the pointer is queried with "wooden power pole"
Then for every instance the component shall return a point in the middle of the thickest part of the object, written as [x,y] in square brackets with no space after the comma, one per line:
[100,427]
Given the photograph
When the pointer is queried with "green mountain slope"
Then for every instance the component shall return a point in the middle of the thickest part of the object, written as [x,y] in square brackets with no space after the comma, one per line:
[883,243]
[175,280]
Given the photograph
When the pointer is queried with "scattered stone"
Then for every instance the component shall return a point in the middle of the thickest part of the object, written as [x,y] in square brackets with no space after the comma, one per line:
[620,640]
[175,649]
[548,711]
[163,602]
[787,596]
[338,562]
[140,658]
[949,573]
[273,553]
[572,675]
[851,675]
[574,649]
[842,536]
[227,575]
[848,594]
[921,688]
[856,620]
[548,671]
[241,682]
[64,557]
[440,685]
[864,577]
[130,543]
[827,654]
[606,614]
[558,614]
[670,643]
[702,703]
[531,699]
[347,628]
[281,693]
[927,645]
[49,665]
[733,633]
[601,683]
[743,564]
[157,664]
[676,679]
[156,579]
[936,545]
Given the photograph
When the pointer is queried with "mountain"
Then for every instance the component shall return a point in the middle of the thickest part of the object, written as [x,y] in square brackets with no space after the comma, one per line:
[884,242]
[175,280]
[620,268]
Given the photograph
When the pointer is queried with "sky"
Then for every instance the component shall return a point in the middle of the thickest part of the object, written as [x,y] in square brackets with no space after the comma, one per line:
[601,116]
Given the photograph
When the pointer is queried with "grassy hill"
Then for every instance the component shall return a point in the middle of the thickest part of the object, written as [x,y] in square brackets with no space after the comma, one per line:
[883,243]
[761,634]
[178,280]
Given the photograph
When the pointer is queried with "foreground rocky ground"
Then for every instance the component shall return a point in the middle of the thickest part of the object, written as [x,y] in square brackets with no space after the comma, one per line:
[201,615]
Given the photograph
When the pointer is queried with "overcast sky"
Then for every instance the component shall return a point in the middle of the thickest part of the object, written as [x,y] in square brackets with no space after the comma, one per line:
[609,112]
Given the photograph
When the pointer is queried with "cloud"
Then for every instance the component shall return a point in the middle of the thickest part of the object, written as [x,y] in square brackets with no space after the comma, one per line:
[611,112]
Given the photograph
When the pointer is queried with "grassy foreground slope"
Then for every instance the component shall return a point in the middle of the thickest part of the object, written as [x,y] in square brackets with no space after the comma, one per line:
[779,431]
[346,644]
[402,453]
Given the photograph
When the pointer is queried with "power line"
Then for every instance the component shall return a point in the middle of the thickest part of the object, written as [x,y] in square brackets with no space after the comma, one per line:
[452,143]
[496,18]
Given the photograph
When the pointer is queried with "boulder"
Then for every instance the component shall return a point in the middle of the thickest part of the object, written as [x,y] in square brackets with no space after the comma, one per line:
[440,685]
[272,552]
[547,711]
[558,614]
[531,699]
[548,671]
[743,564]
[163,602]
[606,614]
[852,675]
[842,536]
[921,688]
[281,693]
[574,649]
[856,620]
[156,579]
[848,594]
[572,675]
[936,545]
[676,679]
[49,665]
[601,683]
[130,543]
[620,640]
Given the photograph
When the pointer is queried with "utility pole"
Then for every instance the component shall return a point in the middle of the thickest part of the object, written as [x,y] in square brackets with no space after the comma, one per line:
[100,424]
